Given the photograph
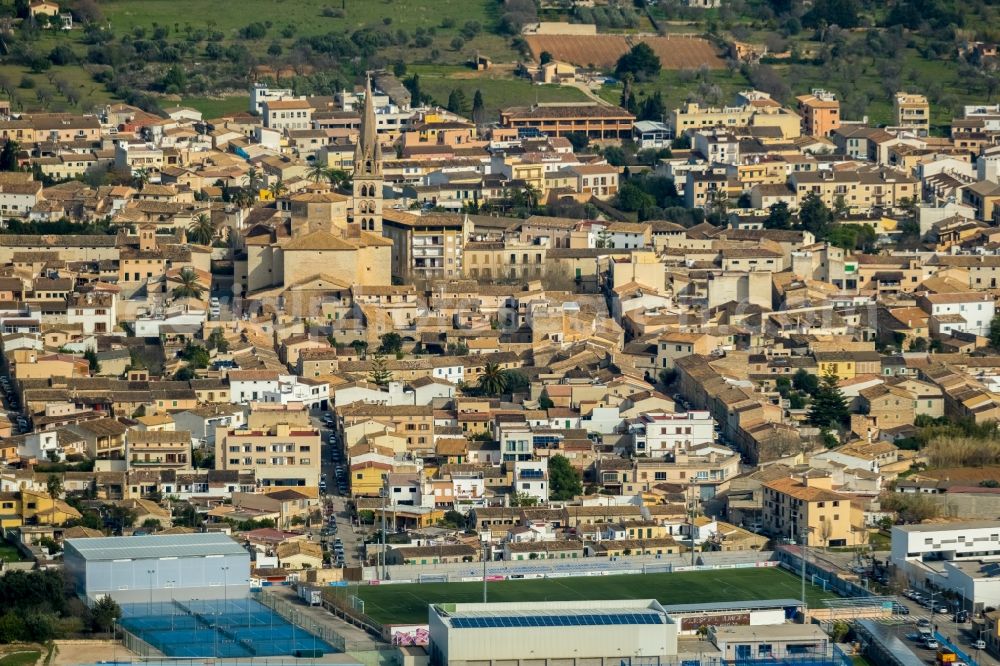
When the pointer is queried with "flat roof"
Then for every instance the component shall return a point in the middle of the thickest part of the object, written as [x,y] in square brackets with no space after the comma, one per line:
[770,632]
[575,613]
[563,618]
[198,544]
[732,605]
[948,527]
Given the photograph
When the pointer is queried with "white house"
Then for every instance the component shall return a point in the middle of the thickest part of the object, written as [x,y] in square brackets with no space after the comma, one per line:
[660,433]
[95,312]
[651,134]
[40,445]
[312,393]
[261,93]
[604,420]
[964,312]
[468,488]
[18,198]
[250,385]
[173,319]
[202,421]
[531,478]
[419,392]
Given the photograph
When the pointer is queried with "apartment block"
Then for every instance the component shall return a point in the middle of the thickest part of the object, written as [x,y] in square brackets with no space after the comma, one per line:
[912,112]
[820,111]
[281,455]
[808,507]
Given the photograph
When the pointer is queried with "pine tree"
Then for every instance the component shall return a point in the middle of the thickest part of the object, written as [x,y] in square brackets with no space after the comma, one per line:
[828,409]
[457,102]
[413,85]
[628,95]
[478,109]
[379,373]
[8,156]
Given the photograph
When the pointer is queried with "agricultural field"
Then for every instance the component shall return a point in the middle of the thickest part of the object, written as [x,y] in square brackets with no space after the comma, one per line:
[603,51]
[498,90]
[213,107]
[307,16]
[407,603]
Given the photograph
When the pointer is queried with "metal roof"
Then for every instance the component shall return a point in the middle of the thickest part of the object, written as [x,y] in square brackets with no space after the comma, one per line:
[472,621]
[732,605]
[199,544]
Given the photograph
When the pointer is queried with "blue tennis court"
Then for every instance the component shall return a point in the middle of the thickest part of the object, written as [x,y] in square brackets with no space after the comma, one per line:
[217,628]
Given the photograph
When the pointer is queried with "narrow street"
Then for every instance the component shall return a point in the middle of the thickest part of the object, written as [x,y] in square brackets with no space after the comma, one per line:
[335,503]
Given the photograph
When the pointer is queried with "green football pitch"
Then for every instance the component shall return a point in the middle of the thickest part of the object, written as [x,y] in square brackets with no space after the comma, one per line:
[407,603]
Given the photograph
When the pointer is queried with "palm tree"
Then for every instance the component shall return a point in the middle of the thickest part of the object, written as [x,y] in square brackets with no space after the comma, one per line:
[493,381]
[317,172]
[532,196]
[188,287]
[202,229]
[253,180]
[279,189]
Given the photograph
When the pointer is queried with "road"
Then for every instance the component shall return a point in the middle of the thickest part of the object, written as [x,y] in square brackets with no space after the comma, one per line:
[959,634]
[334,502]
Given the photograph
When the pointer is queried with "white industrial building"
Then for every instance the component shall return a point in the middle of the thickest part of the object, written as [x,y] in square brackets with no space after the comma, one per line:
[963,558]
[151,568]
[598,633]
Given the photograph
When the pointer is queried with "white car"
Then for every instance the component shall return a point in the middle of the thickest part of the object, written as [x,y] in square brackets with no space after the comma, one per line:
[979,644]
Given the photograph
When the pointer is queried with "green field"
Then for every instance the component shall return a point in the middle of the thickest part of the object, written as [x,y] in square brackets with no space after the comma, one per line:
[306,18]
[407,604]
[213,107]
[498,93]
[23,658]
[306,15]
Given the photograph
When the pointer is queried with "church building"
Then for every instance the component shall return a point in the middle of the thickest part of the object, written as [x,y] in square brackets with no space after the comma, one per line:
[318,245]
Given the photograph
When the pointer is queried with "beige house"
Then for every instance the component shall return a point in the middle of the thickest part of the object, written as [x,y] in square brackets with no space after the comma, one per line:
[912,112]
[859,190]
[299,554]
[158,449]
[807,507]
[280,455]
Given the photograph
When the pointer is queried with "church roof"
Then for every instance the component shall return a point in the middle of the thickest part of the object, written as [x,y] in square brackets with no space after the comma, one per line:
[319,240]
[318,197]
[371,239]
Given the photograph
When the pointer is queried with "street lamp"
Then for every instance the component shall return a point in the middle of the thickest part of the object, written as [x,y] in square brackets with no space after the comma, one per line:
[225,588]
[803,552]
[150,572]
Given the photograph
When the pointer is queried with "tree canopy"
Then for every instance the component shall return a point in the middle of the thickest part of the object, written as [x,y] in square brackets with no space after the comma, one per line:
[564,479]
[641,62]
[828,410]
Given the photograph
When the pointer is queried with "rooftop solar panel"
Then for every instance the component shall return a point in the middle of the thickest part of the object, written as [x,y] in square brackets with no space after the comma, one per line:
[568,620]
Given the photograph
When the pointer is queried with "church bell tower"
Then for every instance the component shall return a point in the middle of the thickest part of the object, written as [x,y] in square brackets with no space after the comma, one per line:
[367,192]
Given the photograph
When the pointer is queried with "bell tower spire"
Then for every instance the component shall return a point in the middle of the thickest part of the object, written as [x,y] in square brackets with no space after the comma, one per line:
[367,192]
